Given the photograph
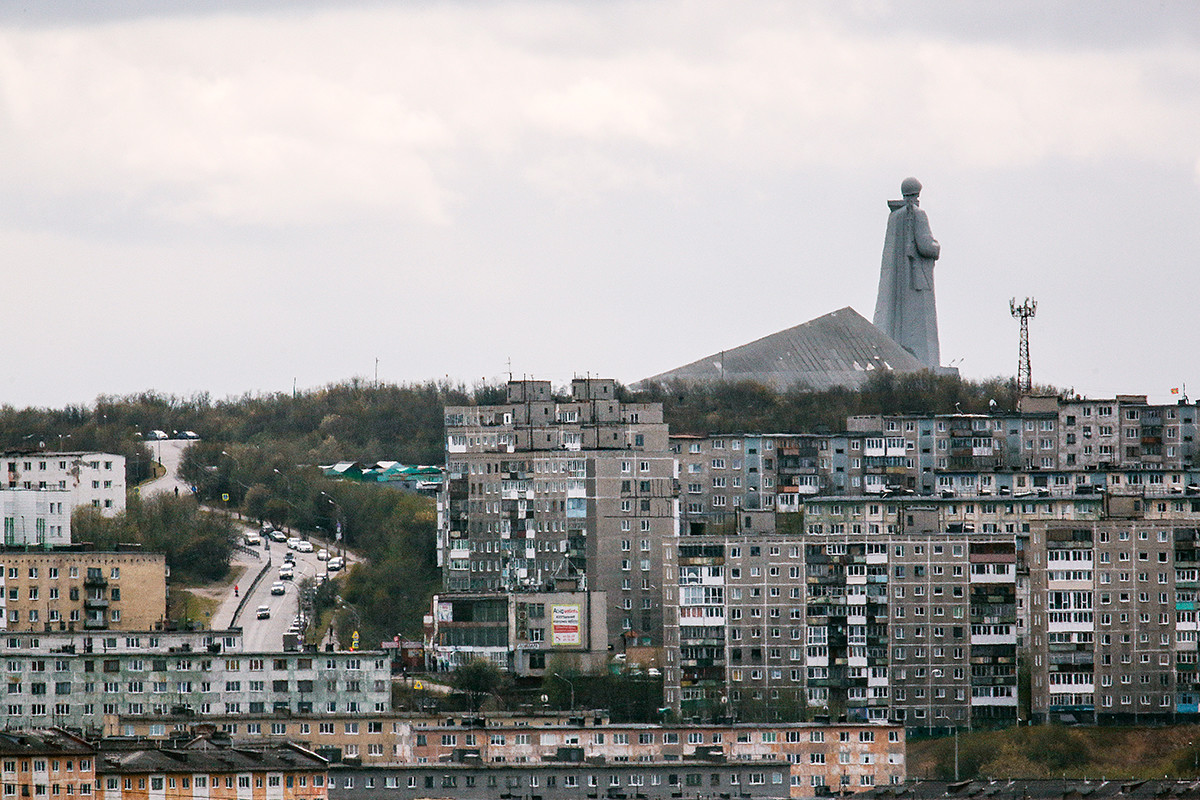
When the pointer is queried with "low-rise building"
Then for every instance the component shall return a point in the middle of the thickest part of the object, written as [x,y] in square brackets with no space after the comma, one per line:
[64,590]
[519,631]
[209,767]
[46,763]
[567,778]
[833,755]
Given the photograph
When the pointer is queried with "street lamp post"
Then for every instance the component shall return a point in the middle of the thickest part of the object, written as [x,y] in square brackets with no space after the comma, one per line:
[237,466]
[568,682]
[338,527]
[287,482]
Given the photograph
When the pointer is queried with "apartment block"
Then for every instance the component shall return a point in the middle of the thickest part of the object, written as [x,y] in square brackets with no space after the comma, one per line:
[57,590]
[209,767]
[564,778]
[36,518]
[1114,622]
[814,754]
[901,623]
[582,489]
[46,763]
[91,479]
[87,680]
[846,755]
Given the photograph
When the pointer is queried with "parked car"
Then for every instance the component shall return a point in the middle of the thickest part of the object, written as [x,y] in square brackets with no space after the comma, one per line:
[322,554]
[278,588]
[156,434]
[264,612]
[186,435]
[304,547]
[335,563]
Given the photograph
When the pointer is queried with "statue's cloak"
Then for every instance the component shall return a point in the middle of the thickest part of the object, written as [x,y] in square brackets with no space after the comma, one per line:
[906,308]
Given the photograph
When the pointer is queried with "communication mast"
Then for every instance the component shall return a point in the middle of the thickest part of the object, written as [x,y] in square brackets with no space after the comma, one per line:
[1024,312]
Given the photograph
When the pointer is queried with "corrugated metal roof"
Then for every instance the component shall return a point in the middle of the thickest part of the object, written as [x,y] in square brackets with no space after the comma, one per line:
[841,348]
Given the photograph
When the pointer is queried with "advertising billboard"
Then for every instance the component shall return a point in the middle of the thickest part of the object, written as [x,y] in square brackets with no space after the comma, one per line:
[564,626]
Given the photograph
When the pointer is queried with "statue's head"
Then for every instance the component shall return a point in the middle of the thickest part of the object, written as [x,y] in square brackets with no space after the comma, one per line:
[910,187]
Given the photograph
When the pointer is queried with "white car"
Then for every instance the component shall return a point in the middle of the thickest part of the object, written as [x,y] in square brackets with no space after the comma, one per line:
[335,563]
[293,543]
[322,554]
[278,587]
[251,540]
[304,547]
[278,536]
[264,612]
[286,574]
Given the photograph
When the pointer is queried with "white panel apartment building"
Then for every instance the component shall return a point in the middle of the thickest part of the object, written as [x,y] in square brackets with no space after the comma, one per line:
[35,518]
[91,479]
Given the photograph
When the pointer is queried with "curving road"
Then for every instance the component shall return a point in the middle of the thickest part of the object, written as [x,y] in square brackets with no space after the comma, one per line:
[258,635]
[168,452]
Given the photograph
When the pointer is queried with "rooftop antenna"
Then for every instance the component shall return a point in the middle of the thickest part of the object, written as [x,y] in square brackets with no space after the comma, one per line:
[1024,312]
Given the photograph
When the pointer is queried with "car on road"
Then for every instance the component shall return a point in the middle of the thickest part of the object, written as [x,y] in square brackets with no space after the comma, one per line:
[278,587]
[252,540]
[304,547]
[278,536]
[264,612]
[292,542]
[322,554]
[335,563]
[286,574]
[289,558]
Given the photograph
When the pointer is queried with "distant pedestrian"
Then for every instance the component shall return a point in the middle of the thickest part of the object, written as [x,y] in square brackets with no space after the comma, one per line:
[235,590]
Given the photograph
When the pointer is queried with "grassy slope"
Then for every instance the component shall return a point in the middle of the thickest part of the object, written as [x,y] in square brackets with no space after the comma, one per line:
[1055,752]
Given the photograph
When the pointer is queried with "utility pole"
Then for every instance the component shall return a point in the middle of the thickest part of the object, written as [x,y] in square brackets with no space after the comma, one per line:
[1024,312]
[956,753]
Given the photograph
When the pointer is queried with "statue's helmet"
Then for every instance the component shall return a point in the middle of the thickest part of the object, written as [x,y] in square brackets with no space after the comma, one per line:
[910,187]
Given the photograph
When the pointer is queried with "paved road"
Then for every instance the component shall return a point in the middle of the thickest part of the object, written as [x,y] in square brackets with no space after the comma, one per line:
[168,452]
[265,635]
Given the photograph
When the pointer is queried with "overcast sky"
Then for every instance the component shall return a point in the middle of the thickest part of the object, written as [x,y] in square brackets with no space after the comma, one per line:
[229,197]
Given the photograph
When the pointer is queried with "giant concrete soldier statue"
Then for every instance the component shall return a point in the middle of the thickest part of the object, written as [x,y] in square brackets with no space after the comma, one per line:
[905,308]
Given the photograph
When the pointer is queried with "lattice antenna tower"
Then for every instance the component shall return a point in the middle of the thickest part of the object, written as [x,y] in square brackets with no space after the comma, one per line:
[1024,312]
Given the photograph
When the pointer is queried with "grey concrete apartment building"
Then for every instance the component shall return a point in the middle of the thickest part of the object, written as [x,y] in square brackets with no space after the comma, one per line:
[914,627]
[1114,630]
[583,489]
